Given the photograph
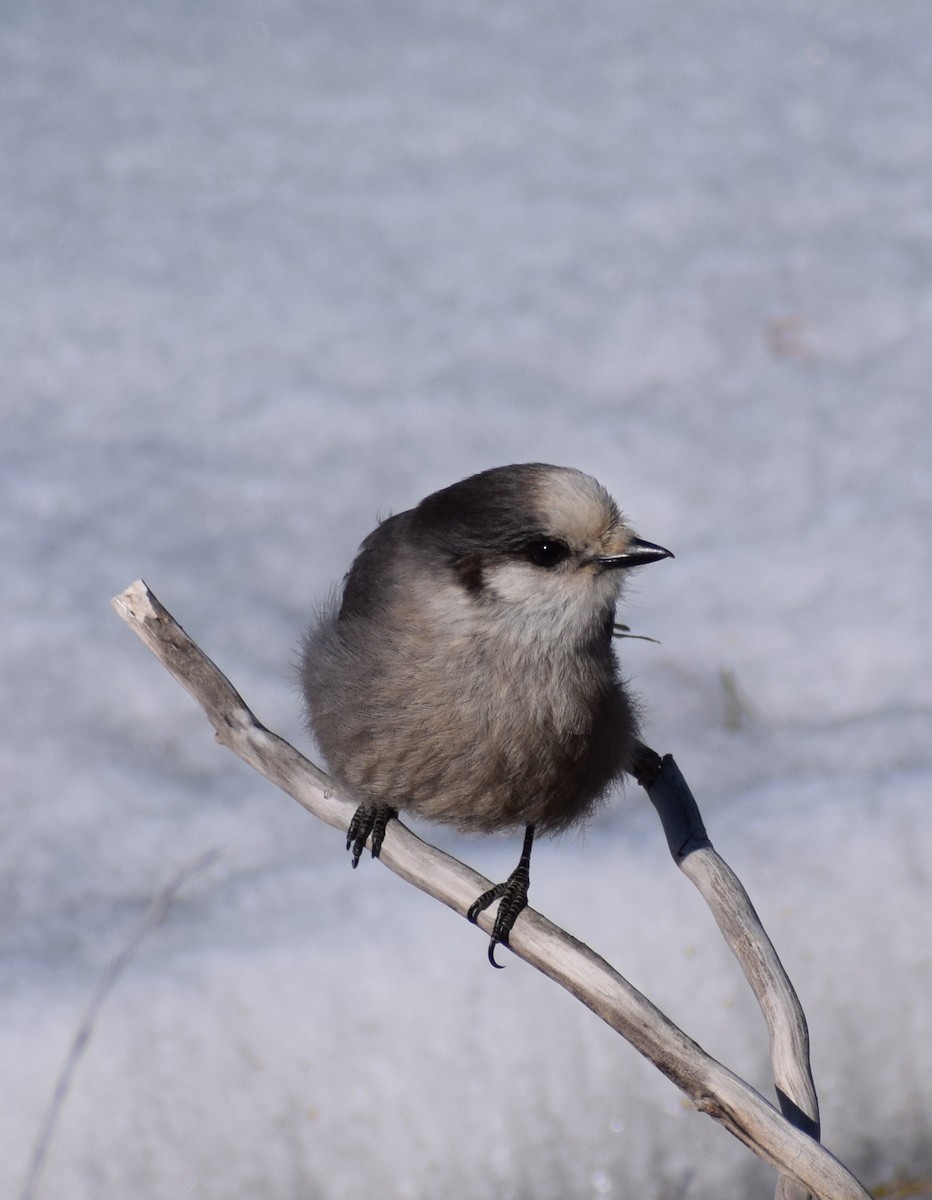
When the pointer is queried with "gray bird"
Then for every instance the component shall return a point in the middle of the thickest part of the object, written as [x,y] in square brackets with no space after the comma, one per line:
[467,674]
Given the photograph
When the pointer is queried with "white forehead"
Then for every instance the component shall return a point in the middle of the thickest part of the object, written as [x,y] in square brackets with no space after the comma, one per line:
[576,505]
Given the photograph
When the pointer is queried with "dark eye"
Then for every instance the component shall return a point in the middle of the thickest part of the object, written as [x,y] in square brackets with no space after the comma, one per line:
[547,552]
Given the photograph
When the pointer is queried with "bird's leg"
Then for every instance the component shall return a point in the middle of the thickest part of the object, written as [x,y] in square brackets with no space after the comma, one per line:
[368,818]
[513,895]
[645,765]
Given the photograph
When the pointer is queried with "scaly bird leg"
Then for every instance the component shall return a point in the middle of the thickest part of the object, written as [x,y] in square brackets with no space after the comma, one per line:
[513,895]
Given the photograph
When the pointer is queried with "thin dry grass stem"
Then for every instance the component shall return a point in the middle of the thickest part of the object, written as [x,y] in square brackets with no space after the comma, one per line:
[154,915]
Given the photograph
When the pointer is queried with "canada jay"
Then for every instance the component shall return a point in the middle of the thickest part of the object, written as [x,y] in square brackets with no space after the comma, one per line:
[467,675]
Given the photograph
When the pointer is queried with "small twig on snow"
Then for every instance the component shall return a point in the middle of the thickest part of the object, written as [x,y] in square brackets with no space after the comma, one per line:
[152,918]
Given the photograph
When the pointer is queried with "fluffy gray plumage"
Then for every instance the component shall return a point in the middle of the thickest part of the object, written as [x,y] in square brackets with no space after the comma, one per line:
[467,674]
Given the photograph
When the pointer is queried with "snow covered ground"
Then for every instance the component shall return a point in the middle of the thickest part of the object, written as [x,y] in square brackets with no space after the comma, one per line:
[273,268]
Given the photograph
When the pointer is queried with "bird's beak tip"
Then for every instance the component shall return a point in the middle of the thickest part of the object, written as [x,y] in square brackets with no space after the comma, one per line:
[637,554]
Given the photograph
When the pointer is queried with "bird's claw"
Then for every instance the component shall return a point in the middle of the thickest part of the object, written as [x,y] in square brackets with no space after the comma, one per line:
[513,894]
[368,819]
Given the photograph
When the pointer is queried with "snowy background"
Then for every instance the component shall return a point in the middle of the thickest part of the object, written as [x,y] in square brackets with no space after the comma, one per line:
[271,269]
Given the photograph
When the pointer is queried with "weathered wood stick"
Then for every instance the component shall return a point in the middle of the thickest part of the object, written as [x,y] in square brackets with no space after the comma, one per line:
[711,1087]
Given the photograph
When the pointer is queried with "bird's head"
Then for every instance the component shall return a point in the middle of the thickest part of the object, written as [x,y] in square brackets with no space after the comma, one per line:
[546,546]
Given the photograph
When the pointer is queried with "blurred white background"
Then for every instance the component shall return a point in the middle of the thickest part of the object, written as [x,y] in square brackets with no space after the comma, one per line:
[273,268]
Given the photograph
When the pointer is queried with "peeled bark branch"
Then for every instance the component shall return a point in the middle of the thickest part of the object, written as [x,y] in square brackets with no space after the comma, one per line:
[712,1088]
[742,930]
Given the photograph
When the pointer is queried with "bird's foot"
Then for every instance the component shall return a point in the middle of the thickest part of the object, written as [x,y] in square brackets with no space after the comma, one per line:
[513,896]
[368,819]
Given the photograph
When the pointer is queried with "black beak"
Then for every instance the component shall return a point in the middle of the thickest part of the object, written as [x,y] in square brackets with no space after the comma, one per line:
[637,554]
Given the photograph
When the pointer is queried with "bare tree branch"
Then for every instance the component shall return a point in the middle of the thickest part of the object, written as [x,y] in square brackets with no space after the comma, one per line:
[712,1088]
[742,930]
